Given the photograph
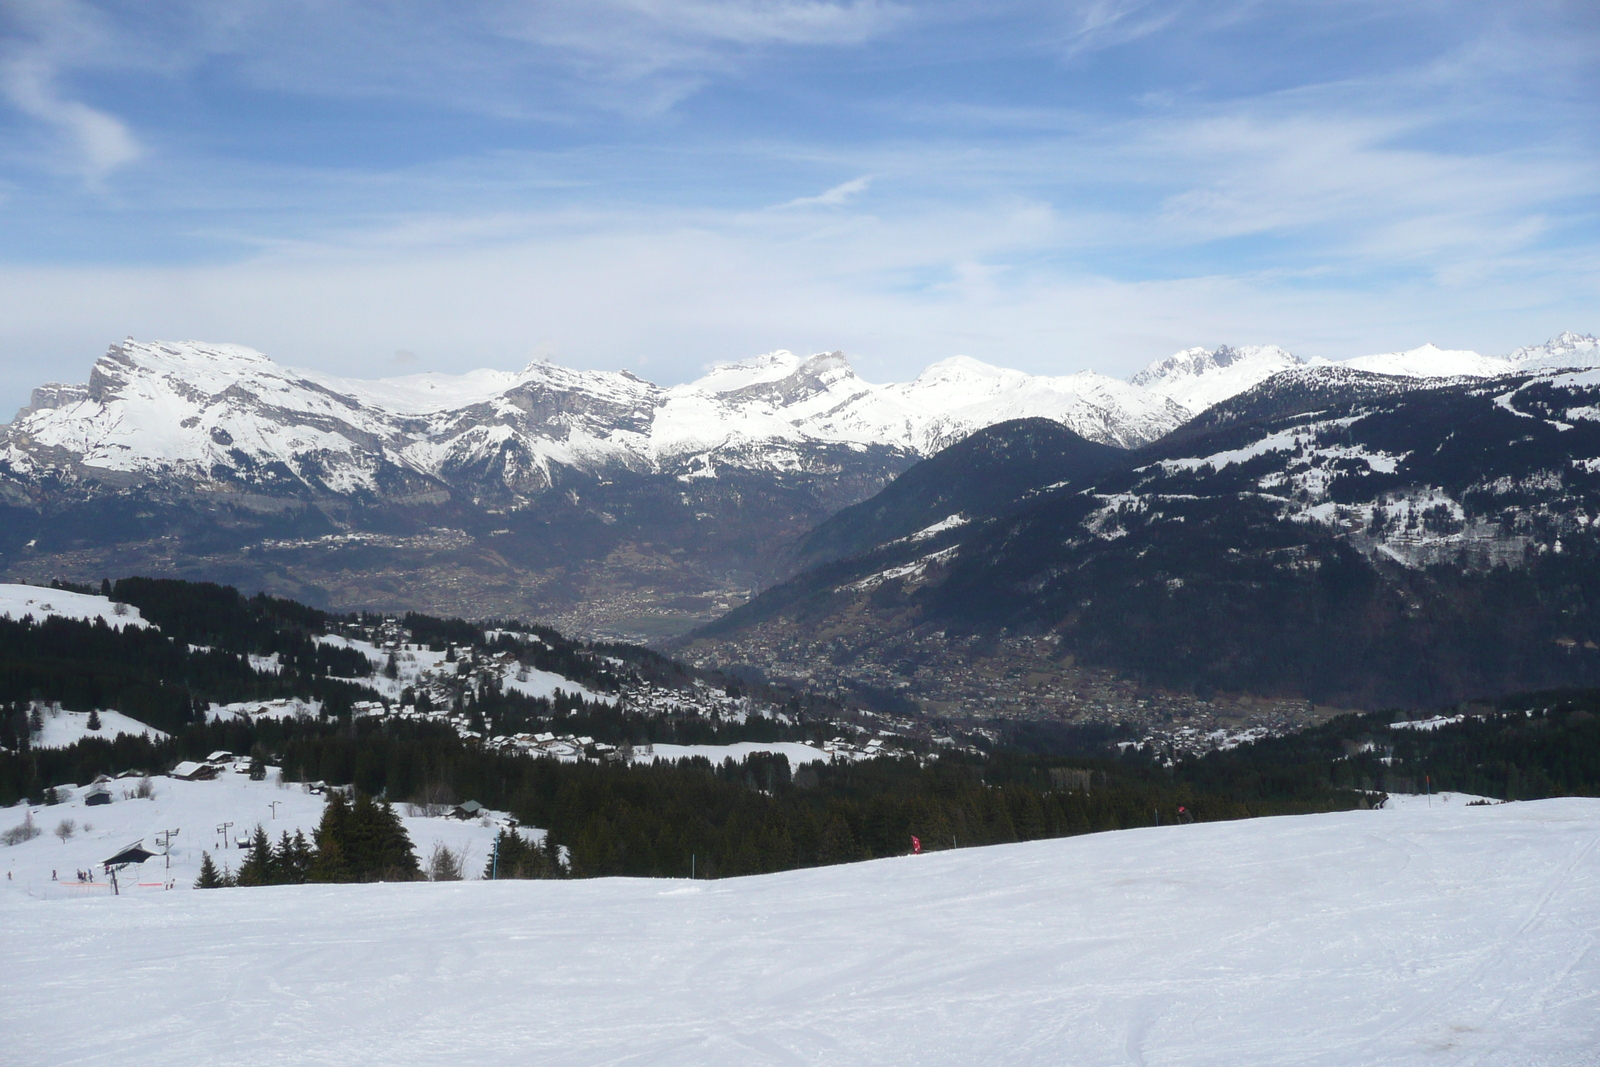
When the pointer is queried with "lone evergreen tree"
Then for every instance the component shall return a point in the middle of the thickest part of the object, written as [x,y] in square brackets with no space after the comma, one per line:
[209,878]
[329,864]
[94,720]
[258,867]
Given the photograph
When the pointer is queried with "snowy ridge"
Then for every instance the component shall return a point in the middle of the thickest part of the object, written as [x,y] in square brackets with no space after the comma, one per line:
[228,418]
[1196,378]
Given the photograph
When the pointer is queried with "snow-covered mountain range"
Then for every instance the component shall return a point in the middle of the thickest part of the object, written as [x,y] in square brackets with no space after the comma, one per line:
[547,489]
[207,412]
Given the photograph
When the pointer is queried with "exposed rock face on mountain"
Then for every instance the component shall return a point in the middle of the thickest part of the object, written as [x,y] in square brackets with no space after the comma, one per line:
[1342,537]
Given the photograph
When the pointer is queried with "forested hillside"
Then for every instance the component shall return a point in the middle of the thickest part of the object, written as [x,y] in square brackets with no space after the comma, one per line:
[759,812]
[1329,536]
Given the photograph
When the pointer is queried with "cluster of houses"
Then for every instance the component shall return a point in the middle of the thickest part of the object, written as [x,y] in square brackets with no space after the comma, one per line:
[1188,742]
[465,669]
[567,747]
[281,708]
[209,768]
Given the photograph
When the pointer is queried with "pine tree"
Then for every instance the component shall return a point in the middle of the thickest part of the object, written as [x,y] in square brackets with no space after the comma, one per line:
[94,720]
[257,868]
[285,867]
[209,878]
[838,843]
[514,857]
[302,858]
[329,863]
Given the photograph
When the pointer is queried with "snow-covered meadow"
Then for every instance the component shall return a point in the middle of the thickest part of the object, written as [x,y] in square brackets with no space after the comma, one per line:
[46,867]
[1420,934]
[31,601]
[64,728]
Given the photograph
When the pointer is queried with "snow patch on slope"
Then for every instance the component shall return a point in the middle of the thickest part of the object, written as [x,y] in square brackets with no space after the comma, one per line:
[19,601]
[65,728]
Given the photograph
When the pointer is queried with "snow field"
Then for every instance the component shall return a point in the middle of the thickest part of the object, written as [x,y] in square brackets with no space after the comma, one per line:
[64,728]
[19,601]
[1419,935]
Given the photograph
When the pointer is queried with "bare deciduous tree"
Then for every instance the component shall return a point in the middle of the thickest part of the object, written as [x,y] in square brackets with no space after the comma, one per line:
[23,831]
[445,864]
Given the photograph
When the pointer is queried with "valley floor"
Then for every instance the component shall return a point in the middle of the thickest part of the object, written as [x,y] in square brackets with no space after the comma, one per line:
[1414,935]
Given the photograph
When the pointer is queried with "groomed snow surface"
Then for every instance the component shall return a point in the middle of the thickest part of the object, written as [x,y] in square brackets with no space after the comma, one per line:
[1417,935]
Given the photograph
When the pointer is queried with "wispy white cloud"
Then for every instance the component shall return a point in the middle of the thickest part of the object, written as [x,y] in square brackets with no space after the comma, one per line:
[45,36]
[1103,23]
[838,196]
[97,143]
[1097,222]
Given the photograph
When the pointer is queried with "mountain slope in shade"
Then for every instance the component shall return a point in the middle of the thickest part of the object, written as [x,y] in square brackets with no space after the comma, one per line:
[1361,546]
[973,480]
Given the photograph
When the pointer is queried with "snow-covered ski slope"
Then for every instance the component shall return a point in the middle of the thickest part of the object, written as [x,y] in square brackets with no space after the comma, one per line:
[1442,935]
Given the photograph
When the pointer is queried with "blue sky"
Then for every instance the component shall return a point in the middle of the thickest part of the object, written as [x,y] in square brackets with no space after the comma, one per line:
[377,188]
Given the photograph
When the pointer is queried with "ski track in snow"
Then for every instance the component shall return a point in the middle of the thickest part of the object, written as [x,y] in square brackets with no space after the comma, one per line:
[1417,935]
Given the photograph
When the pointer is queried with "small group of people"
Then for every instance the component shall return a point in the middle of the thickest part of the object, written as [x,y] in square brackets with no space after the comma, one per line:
[83,876]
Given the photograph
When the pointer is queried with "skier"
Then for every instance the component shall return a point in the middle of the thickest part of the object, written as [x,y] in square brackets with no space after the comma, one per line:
[1184,815]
